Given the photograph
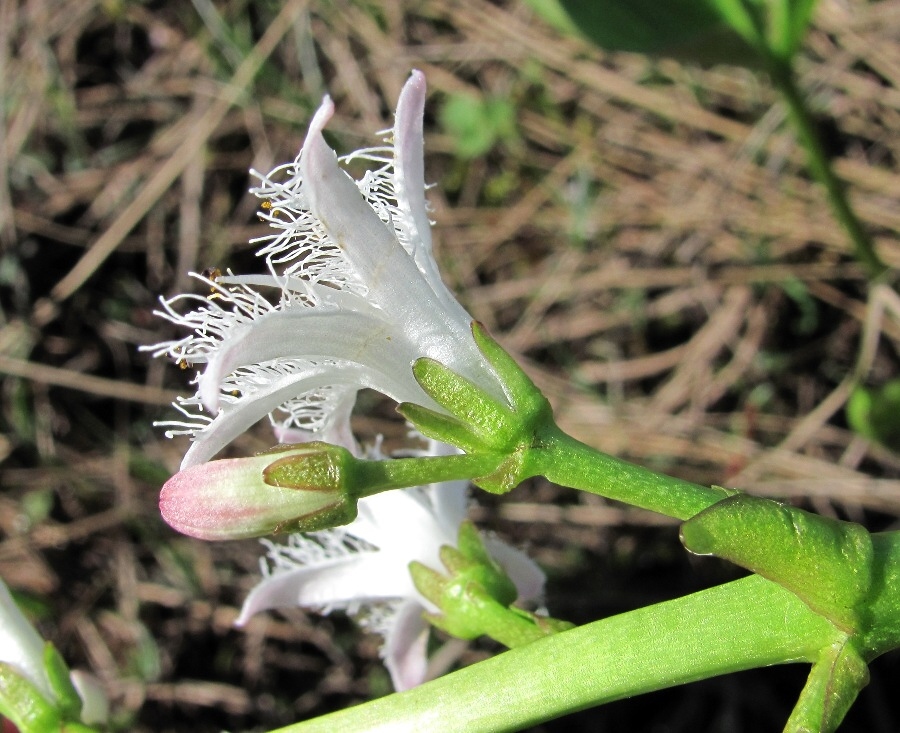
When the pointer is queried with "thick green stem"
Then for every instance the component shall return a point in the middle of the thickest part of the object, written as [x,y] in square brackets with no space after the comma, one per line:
[741,625]
[820,164]
[883,609]
[569,462]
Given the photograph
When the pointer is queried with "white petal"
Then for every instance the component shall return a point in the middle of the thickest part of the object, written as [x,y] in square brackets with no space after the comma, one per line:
[94,703]
[409,186]
[403,523]
[405,647]
[307,333]
[395,283]
[409,163]
[234,419]
[338,582]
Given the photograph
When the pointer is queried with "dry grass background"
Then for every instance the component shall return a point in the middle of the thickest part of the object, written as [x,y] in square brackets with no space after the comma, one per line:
[646,238]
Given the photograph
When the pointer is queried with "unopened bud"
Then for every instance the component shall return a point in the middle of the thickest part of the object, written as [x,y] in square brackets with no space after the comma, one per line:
[297,488]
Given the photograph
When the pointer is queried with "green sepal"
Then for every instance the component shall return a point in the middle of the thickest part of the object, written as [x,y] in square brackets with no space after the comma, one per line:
[474,589]
[447,429]
[479,422]
[468,563]
[319,467]
[475,596]
[524,397]
[438,426]
[336,515]
[491,421]
[469,610]
[471,559]
[428,581]
[825,562]
[68,700]
[25,705]
[833,684]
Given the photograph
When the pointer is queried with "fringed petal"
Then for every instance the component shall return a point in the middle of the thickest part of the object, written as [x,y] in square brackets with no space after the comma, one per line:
[343,582]
[409,168]
[239,416]
[394,282]
[305,333]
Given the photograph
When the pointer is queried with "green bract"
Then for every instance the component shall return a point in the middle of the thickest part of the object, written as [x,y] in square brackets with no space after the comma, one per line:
[827,563]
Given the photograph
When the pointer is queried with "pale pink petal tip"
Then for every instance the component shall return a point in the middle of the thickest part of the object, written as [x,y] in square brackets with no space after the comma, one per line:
[321,117]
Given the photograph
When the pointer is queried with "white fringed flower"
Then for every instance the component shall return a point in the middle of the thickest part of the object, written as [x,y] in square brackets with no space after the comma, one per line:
[351,298]
[363,568]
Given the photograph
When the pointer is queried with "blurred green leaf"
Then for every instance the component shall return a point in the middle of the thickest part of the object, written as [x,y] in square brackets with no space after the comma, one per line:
[147,469]
[808,320]
[36,505]
[145,659]
[687,30]
[477,124]
[777,25]
[875,413]
[741,32]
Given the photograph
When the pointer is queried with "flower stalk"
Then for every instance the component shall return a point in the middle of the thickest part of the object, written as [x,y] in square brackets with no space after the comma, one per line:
[296,488]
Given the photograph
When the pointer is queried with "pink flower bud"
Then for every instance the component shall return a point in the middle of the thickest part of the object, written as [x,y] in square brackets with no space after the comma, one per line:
[298,488]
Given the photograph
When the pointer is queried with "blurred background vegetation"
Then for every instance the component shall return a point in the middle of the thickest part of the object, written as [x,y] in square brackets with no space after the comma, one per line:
[642,233]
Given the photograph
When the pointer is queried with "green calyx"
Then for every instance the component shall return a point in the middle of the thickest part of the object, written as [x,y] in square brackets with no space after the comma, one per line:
[326,470]
[473,579]
[475,596]
[477,421]
[68,701]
